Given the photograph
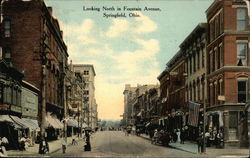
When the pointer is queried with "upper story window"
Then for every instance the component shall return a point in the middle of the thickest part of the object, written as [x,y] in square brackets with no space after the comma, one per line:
[211,30]
[7,27]
[241,54]
[86,92]
[7,54]
[241,18]
[242,91]
[85,72]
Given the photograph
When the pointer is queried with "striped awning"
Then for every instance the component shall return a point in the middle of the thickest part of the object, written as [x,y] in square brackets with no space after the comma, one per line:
[54,122]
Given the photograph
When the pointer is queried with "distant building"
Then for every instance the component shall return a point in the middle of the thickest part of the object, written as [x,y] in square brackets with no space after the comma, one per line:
[128,95]
[134,104]
[89,102]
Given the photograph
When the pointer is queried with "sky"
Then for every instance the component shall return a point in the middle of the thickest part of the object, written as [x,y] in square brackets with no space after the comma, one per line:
[125,50]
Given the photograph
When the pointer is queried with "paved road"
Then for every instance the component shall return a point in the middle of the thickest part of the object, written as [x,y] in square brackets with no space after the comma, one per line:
[115,143]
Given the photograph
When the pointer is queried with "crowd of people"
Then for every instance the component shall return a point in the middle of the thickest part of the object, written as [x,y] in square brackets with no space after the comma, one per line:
[164,137]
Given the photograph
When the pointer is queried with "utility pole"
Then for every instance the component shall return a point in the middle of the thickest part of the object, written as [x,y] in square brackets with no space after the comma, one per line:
[64,103]
[43,104]
[81,111]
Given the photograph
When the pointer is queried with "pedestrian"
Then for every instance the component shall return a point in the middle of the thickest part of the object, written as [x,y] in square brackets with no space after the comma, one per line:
[175,136]
[43,146]
[87,146]
[155,138]
[219,139]
[207,138]
[22,144]
[178,135]
[3,152]
[74,141]
[200,143]
[64,144]
[182,136]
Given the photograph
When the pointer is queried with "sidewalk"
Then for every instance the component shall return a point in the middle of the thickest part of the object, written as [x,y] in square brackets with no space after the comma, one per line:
[210,151]
[53,147]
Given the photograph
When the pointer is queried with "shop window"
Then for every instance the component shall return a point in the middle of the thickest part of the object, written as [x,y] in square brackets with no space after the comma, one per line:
[241,54]
[241,18]
[242,91]
[7,28]
[233,124]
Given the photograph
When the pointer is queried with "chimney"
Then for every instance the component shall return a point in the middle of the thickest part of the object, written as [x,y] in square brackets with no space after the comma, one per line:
[50,10]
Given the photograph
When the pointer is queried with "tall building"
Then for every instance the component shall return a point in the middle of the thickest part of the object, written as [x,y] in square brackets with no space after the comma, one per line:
[32,41]
[128,95]
[228,68]
[89,102]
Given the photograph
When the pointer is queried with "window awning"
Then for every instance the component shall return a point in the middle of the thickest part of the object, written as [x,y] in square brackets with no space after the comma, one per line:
[32,122]
[72,123]
[5,118]
[53,122]
[20,122]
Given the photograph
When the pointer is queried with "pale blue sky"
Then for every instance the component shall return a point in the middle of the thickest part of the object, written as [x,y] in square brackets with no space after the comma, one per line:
[125,50]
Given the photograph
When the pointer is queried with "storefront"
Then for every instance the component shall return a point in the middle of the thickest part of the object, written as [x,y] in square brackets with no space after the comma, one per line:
[53,126]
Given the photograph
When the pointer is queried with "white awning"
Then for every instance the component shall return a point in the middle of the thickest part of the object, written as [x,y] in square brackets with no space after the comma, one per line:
[72,123]
[32,122]
[53,122]
[5,118]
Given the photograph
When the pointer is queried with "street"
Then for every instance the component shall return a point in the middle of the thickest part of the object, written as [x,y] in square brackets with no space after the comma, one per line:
[115,143]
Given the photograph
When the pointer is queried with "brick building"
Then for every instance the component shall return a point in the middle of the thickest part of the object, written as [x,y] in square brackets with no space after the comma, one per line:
[31,38]
[228,68]
[194,50]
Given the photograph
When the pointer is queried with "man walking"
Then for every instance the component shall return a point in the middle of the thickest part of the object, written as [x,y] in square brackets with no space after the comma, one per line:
[64,143]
